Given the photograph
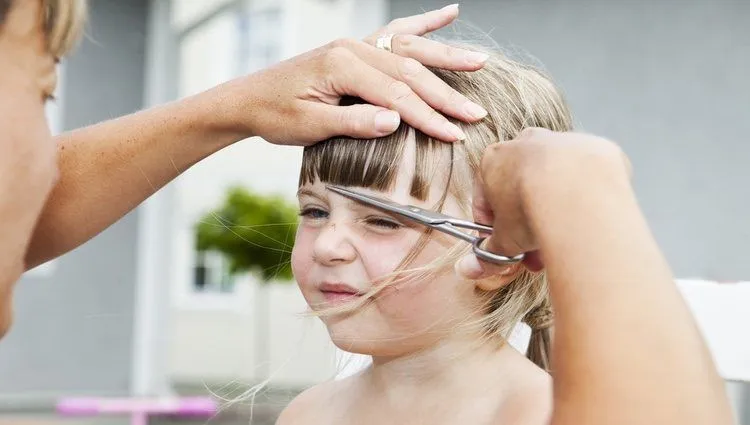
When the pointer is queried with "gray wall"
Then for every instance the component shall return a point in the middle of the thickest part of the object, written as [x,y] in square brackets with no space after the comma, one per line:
[668,80]
[73,330]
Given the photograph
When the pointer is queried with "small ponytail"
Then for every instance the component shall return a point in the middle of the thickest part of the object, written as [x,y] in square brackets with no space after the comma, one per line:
[540,320]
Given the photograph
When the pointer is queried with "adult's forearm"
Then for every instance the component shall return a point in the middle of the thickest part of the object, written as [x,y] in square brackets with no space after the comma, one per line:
[108,169]
[627,350]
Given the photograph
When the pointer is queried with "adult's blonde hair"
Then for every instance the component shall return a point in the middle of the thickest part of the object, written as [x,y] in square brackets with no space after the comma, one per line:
[63,22]
[516,96]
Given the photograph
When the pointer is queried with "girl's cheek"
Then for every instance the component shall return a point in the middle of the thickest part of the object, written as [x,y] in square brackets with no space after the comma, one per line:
[302,254]
[383,256]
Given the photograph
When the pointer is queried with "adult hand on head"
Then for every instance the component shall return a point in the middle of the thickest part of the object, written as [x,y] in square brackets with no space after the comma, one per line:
[513,173]
[294,102]
[297,101]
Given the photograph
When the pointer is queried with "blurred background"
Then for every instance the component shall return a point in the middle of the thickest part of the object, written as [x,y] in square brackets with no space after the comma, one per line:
[155,306]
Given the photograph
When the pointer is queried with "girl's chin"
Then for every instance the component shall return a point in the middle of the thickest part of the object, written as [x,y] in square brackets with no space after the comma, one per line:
[350,338]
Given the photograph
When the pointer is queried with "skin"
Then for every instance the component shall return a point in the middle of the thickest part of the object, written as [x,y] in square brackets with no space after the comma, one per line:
[426,367]
[28,167]
[663,368]
[108,169]
[626,349]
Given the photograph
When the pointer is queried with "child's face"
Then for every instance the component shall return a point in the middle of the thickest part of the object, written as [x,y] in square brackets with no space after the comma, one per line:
[343,248]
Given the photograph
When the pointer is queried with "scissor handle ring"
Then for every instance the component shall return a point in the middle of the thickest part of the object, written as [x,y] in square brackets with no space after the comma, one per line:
[491,257]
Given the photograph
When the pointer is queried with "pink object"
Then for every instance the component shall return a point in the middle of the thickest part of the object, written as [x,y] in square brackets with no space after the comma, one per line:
[139,409]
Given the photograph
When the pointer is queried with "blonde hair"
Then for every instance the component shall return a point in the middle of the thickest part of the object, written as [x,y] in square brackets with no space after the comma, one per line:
[63,24]
[516,96]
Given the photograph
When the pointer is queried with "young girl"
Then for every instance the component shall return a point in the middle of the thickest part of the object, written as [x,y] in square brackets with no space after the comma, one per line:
[387,288]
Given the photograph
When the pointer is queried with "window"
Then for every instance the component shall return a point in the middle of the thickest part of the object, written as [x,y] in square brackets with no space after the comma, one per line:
[217,40]
[229,39]
[211,273]
[260,28]
[189,12]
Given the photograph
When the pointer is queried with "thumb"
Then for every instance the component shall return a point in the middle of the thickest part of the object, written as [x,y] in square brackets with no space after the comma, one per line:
[362,121]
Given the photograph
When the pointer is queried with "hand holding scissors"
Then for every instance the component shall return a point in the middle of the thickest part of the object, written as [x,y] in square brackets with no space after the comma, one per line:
[568,195]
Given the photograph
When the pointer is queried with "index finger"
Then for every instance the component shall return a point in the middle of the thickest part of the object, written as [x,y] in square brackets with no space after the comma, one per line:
[376,87]
[419,24]
[427,86]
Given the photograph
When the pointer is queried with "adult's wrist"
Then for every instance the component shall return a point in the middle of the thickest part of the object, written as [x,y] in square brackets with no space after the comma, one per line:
[225,113]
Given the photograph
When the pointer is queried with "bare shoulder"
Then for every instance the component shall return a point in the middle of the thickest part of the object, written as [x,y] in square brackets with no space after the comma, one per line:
[531,404]
[313,406]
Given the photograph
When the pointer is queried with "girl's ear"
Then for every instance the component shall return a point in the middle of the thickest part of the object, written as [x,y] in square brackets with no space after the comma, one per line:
[498,280]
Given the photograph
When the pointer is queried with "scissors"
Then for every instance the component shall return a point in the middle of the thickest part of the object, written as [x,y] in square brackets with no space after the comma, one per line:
[434,220]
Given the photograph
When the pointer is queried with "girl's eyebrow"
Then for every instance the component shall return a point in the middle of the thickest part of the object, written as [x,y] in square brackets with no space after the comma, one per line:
[357,206]
[354,205]
[307,192]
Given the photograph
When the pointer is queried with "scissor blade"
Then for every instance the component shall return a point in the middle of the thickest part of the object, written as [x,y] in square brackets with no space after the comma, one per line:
[420,215]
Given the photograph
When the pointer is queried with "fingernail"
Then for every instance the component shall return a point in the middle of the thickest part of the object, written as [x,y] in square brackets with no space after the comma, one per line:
[387,121]
[477,57]
[468,267]
[474,110]
[451,7]
[455,131]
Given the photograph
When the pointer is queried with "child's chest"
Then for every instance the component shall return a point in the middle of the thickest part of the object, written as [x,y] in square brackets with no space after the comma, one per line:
[446,413]
[454,418]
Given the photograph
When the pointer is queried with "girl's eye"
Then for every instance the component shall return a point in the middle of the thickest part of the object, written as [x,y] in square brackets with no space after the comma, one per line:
[313,213]
[384,223]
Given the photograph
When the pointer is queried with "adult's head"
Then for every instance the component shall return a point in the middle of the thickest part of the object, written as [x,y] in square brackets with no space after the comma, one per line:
[34,35]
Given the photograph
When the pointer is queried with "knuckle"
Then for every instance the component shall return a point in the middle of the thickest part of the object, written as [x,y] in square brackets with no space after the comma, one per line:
[403,43]
[359,120]
[436,118]
[395,23]
[336,43]
[348,120]
[409,69]
[490,152]
[451,52]
[345,43]
[490,160]
[335,56]
[424,22]
[614,151]
[399,91]
[454,98]
[530,133]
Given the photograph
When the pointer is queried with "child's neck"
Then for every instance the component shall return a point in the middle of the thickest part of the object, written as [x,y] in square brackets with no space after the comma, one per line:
[449,368]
